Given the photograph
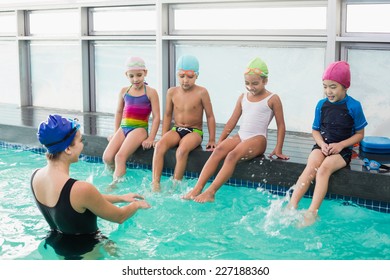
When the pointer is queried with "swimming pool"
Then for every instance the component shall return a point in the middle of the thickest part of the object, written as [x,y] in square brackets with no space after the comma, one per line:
[243,223]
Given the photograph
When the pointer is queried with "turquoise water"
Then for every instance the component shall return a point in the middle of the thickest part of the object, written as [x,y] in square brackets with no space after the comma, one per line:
[243,223]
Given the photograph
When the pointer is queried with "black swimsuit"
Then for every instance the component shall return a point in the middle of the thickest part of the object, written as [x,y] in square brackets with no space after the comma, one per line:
[63,218]
[183,131]
[72,234]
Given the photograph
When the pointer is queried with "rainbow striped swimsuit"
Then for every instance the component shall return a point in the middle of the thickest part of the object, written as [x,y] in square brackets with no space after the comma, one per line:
[136,112]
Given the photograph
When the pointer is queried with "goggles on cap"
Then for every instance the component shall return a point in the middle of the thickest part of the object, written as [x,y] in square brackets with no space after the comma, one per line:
[374,165]
[189,73]
[255,70]
[74,127]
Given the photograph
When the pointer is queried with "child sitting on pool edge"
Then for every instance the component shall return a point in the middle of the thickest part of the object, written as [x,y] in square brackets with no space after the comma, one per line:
[186,102]
[338,124]
[135,104]
[256,108]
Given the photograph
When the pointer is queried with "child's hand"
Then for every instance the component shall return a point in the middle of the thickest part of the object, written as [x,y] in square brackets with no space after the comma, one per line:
[279,155]
[147,144]
[335,148]
[210,146]
[325,149]
[143,204]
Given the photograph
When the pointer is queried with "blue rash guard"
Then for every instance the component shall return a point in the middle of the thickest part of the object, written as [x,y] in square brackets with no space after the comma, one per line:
[339,120]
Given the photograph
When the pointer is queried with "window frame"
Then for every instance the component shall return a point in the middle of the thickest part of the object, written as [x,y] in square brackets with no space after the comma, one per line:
[231,32]
[91,11]
[361,36]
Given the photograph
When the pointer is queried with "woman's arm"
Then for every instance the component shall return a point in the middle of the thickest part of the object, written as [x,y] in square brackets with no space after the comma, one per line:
[85,196]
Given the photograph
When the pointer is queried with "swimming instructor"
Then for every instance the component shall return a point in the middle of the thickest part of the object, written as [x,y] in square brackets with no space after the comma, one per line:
[71,206]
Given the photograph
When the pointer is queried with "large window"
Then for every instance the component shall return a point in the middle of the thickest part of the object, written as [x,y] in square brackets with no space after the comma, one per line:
[252,18]
[56,75]
[53,22]
[7,24]
[9,92]
[372,18]
[9,84]
[130,20]
[294,74]
[370,87]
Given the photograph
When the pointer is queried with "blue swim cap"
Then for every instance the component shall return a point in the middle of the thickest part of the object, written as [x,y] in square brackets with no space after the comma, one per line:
[57,133]
[188,62]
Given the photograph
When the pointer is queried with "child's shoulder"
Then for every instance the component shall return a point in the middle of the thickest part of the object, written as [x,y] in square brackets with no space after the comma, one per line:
[124,90]
[172,90]
[200,89]
[351,99]
[150,89]
[353,104]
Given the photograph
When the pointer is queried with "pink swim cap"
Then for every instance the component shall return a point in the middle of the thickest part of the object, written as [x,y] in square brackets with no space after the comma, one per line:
[135,63]
[339,72]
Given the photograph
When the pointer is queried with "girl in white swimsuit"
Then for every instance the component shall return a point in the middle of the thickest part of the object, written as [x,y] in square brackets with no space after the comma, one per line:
[255,117]
[256,110]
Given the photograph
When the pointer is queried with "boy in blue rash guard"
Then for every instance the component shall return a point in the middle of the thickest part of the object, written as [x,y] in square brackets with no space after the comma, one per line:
[338,124]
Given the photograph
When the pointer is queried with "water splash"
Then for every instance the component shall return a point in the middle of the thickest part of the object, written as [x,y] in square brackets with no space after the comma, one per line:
[279,216]
[90,179]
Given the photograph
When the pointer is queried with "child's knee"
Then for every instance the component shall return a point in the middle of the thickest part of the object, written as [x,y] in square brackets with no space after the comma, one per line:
[108,159]
[119,157]
[160,148]
[218,151]
[182,152]
[324,171]
[232,156]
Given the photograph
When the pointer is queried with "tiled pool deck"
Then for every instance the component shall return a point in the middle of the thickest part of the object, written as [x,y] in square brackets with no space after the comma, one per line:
[353,184]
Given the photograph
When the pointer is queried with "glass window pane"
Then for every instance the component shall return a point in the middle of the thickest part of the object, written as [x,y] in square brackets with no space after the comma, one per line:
[127,20]
[7,24]
[9,75]
[110,76]
[370,85]
[56,75]
[251,18]
[368,18]
[58,22]
[294,74]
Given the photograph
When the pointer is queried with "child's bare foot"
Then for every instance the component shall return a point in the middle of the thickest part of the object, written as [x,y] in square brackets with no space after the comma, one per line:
[156,187]
[115,181]
[191,194]
[308,219]
[205,197]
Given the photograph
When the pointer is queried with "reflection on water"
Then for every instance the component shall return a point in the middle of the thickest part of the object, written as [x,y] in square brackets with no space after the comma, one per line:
[77,247]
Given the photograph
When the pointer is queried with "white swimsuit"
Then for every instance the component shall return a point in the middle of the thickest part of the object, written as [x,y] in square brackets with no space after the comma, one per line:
[255,117]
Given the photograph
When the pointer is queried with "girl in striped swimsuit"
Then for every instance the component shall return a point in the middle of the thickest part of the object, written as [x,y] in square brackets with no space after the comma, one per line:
[135,105]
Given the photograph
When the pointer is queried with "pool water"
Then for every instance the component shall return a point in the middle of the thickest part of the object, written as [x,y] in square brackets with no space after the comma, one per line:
[243,223]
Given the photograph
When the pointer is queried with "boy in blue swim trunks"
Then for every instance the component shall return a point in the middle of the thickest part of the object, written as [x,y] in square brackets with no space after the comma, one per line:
[186,102]
[338,124]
